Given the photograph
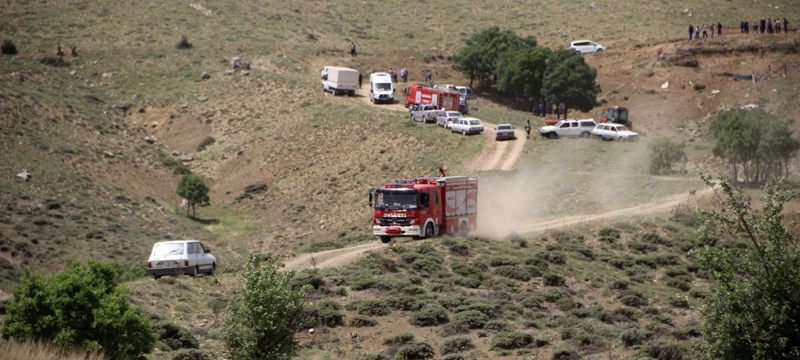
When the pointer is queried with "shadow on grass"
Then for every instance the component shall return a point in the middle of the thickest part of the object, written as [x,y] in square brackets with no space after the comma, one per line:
[206,221]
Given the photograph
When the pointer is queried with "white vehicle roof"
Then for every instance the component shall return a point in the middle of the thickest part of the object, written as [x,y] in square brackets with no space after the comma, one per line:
[454,113]
[377,75]
[504,125]
[338,68]
[470,118]
[176,241]
[580,41]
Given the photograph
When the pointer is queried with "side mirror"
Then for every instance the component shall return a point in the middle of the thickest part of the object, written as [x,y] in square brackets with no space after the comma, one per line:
[371,195]
[208,251]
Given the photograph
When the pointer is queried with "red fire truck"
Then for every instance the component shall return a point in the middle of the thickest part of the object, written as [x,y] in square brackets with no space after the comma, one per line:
[426,207]
[422,95]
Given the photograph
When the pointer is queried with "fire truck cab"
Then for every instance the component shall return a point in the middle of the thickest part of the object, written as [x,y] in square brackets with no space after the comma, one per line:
[425,207]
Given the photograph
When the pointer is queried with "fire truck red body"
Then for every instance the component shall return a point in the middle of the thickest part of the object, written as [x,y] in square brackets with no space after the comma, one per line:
[426,207]
[422,95]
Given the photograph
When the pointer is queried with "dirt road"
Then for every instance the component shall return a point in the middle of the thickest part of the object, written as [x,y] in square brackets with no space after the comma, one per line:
[332,258]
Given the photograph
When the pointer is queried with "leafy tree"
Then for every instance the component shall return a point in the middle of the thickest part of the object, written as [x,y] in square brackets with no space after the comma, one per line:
[664,154]
[569,80]
[753,307]
[755,142]
[521,72]
[265,313]
[478,58]
[194,190]
[80,306]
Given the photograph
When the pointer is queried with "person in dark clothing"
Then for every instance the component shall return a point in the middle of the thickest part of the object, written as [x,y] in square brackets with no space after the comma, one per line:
[719,28]
[769,26]
[755,26]
[746,27]
[785,25]
[691,31]
[777,26]
[360,79]
[763,26]
[741,26]
[528,128]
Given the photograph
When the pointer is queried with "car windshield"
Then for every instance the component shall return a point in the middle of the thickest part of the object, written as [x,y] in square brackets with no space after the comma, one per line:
[504,127]
[454,114]
[474,122]
[387,200]
[383,86]
[164,249]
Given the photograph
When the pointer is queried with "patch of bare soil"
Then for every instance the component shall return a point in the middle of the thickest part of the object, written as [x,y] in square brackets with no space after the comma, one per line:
[332,258]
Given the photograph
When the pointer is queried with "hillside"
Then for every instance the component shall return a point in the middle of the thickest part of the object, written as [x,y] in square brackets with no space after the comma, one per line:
[103,138]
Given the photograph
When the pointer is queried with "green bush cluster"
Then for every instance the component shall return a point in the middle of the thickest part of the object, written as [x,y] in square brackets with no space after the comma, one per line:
[511,340]
[373,307]
[457,344]
[430,315]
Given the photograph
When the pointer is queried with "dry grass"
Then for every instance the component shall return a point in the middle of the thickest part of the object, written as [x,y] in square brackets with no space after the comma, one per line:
[31,350]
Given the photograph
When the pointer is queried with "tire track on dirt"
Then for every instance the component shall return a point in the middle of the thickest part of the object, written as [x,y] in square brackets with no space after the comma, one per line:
[332,258]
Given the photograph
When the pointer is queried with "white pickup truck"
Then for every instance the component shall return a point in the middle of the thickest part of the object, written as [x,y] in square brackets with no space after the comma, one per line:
[425,113]
[566,128]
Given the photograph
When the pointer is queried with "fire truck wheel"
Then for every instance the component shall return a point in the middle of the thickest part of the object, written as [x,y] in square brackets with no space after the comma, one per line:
[386,239]
[429,231]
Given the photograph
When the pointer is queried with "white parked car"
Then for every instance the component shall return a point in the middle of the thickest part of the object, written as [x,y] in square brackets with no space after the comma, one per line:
[611,131]
[466,92]
[586,47]
[504,131]
[447,118]
[180,257]
[581,127]
[467,125]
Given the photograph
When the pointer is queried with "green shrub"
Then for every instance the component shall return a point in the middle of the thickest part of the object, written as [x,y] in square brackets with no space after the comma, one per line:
[360,321]
[459,249]
[664,351]
[55,61]
[452,301]
[378,356]
[497,326]
[405,302]
[398,340]
[490,309]
[679,284]
[664,154]
[373,307]
[178,167]
[502,260]
[471,319]
[624,314]
[327,311]
[430,315]
[565,354]
[681,303]
[516,272]
[453,357]
[686,215]
[642,247]
[551,279]
[511,340]
[264,313]
[190,354]
[183,43]
[8,47]
[80,306]
[632,336]
[619,285]
[415,350]
[633,300]
[457,344]
[175,337]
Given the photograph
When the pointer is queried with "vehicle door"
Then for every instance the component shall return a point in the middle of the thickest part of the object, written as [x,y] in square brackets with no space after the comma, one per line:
[565,129]
[190,254]
[424,209]
[583,47]
[205,259]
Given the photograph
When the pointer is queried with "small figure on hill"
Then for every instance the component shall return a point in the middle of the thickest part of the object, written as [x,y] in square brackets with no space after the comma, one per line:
[393,74]
[360,79]
[777,26]
[719,29]
[540,108]
[74,51]
[785,25]
[770,29]
[746,27]
[528,128]
[353,49]
[696,32]
[711,30]
[443,170]
[691,32]
[755,27]
[429,77]
[763,26]
[705,31]
[59,52]
[404,74]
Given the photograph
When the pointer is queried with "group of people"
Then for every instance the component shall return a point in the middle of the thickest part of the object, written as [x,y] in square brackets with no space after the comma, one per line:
[403,74]
[765,26]
[696,31]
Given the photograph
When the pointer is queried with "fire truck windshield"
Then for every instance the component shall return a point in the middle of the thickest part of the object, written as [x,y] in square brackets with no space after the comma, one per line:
[388,200]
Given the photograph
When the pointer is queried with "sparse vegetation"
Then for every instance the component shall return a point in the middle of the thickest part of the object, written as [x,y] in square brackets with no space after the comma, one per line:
[184,43]
[664,154]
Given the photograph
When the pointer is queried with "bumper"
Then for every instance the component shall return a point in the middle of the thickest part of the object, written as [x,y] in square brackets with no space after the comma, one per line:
[505,136]
[383,100]
[412,230]
[170,271]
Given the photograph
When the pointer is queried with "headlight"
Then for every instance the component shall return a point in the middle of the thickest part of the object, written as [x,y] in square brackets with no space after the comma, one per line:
[413,221]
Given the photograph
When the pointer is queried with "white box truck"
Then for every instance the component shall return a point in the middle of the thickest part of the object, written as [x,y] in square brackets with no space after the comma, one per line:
[381,89]
[339,80]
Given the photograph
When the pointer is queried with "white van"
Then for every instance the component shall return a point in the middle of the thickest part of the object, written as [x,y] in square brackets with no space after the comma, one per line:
[180,257]
[339,80]
[381,89]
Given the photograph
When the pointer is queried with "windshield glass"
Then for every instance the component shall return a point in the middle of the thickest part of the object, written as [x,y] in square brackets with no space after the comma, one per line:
[165,249]
[504,127]
[454,114]
[474,122]
[383,86]
[387,200]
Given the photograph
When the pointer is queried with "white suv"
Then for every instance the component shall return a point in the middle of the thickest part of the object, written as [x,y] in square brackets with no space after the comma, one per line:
[447,118]
[467,125]
[611,131]
[180,257]
[582,128]
[586,47]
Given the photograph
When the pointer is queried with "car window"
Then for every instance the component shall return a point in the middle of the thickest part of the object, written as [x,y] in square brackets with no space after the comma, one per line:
[164,249]
[475,122]
[564,125]
[614,129]
[587,123]
[200,248]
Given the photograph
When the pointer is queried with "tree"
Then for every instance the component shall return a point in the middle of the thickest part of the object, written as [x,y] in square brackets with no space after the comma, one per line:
[521,72]
[194,190]
[753,307]
[478,58]
[664,154]
[569,80]
[265,313]
[80,306]
[755,142]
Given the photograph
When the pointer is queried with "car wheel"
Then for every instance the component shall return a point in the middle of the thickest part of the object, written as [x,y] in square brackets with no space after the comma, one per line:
[429,231]
[213,269]
[552,135]
[156,276]
[194,271]
[599,51]
[386,239]
[585,134]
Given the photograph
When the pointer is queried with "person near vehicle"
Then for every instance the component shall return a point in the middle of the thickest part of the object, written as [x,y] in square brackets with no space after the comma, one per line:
[353,49]
[696,32]
[785,25]
[429,77]
[755,27]
[393,74]
[528,128]
[404,74]
[705,31]
[360,79]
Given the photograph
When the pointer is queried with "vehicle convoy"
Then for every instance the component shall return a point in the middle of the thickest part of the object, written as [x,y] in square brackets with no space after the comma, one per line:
[504,131]
[467,125]
[610,131]
[425,113]
[446,119]
[339,80]
[425,207]
[567,128]
[381,89]
[180,257]
[419,94]
[618,115]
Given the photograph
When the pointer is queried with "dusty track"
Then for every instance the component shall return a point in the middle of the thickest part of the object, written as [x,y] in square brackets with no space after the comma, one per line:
[339,257]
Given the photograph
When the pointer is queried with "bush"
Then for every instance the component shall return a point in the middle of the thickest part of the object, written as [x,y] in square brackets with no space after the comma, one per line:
[632,298]
[497,326]
[360,321]
[328,314]
[176,337]
[471,319]
[8,47]
[264,313]
[516,272]
[511,340]
[554,280]
[457,344]
[502,261]
[415,350]
[686,215]
[55,61]
[398,339]
[664,154]
[632,336]
[430,315]
[190,354]
[80,306]
[619,285]
[566,354]
[664,351]
[373,308]
[679,284]
[178,167]
[183,43]
[609,234]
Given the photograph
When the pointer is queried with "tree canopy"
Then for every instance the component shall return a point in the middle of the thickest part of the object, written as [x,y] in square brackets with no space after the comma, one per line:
[478,58]
[569,80]
[194,190]
[521,72]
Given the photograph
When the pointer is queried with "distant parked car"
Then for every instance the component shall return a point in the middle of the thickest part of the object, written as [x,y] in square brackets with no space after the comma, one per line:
[447,118]
[466,92]
[611,131]
[180,257]
[586,47]
[467,125]
[582,128]
[504,131]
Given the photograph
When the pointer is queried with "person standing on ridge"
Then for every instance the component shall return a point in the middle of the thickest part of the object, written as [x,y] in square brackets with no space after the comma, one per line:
[353,49]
